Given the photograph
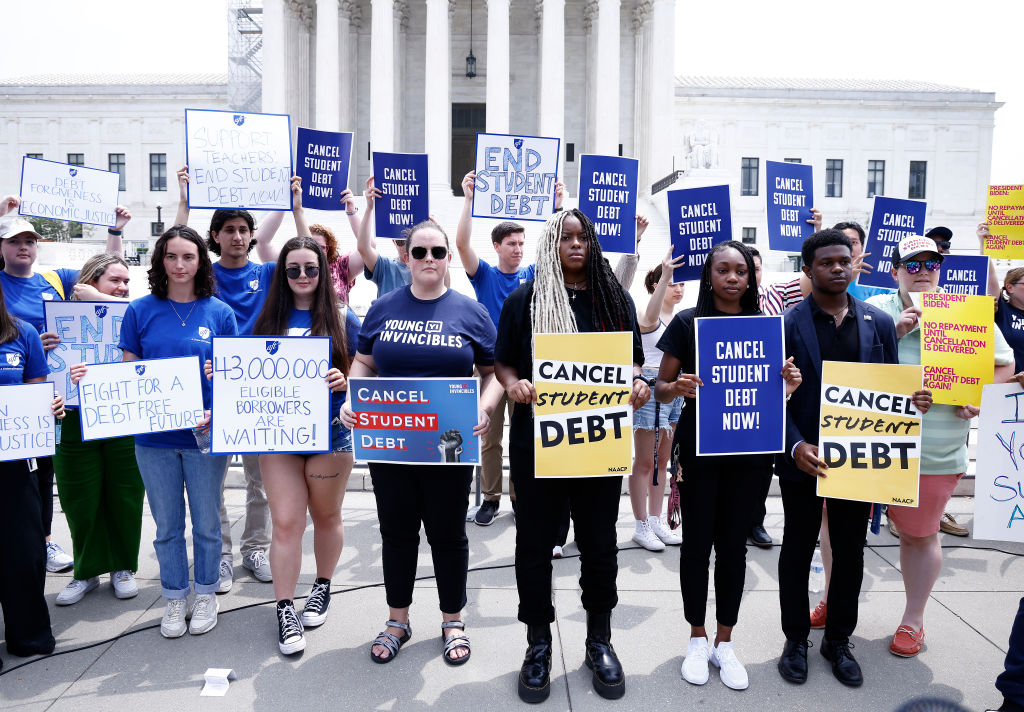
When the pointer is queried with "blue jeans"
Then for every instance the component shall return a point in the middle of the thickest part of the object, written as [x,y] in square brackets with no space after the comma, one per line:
[169,474]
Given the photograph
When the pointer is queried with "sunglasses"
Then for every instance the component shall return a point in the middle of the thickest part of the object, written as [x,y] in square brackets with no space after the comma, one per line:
[438,252]
[943,244]
[914,266]
[296,272]
[399,243]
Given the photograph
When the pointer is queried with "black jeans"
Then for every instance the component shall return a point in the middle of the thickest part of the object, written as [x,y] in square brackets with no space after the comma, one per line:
[760,510]
[437,496]
[847,527]
[1011,681]
[44,479]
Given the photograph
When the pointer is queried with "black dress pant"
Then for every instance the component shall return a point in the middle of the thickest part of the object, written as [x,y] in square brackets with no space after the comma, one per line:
[44,479]
[847,527]
[1011,681]
[760,509]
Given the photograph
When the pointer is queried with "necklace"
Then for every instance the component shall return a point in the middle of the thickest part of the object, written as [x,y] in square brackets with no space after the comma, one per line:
[182,320]
[838,316]
[573,288]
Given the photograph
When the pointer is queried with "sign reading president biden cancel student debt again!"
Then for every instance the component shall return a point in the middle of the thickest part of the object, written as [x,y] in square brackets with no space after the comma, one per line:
[957,347]
[583,422]
[870,432]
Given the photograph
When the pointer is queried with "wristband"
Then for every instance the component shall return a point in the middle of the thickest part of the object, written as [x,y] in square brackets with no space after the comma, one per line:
[641,377]
[353,212]
[115,233]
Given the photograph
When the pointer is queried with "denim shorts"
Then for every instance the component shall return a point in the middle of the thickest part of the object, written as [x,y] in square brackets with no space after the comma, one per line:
[341,437]
[643,419]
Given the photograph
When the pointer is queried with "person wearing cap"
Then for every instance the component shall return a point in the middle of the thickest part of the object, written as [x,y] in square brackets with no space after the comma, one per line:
[916,266]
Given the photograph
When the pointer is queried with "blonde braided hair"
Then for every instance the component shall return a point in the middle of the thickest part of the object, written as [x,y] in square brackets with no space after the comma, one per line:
[549,308]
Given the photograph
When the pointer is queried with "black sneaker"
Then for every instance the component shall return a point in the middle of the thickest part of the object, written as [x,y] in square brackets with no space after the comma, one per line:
[289,630]
[485,515]
[314,613]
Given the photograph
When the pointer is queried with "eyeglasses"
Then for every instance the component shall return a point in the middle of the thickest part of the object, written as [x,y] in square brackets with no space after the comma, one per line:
[399,243]
[296,272]
[914,266]
[943,244]
[438,252]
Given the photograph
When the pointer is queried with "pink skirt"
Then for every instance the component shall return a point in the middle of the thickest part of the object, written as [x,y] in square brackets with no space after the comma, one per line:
[923,520]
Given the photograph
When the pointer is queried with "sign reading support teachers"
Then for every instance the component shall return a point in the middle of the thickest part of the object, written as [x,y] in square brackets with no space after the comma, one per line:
[892,219]
[964,274]
[405,200]
[59,191]
[999,478]
[322,162]
[26,421]
[238,160]
[957,346]
[698,219]
[89,333]
[608,187]
[583,422]
[790,195]
[1004,213]
[515,176]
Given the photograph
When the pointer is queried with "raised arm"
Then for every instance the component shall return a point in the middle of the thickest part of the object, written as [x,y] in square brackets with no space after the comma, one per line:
[993,279]
[298,212]
[464,232]
[364,243]
[115,241]
[181,217]
[625,270]
[9,203]
[648,321]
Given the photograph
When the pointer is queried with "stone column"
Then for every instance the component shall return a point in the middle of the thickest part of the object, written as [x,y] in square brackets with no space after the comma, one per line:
[640,94]
[497,66]
[437,121]
[328,81]
[552,73]
[345,70]
[382,73]
[661,63]
[606,79]
[273,57]
[303,114]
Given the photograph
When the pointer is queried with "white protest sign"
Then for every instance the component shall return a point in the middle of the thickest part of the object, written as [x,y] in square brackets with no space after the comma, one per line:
[238,160]
[139,397]
[73,193]
[89,333]
[26,421]
[269,394]
[999,479]
[515,176]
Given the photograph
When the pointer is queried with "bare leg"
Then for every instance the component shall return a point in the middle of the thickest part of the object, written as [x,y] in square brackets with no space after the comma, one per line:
[326,478]
[288,499]
[921,562]
[656,494]
[643,469]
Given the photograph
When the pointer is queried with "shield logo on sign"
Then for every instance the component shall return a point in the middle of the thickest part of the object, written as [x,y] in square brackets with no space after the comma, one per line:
[141,369]
[73,172]
[100,311]
[48,296]
[518,143]
[254,285]
[204,333]
[14,359]
[272,347]
[239,119]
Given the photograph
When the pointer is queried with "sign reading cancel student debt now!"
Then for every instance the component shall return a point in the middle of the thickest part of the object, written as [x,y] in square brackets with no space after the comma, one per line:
[790,196]
[957,346]
[62,192]
[999,478]
[892,219]
[608,187]
[26,421]
[870,432]
[515,176]
[582,422]
[698,219]
[404,199]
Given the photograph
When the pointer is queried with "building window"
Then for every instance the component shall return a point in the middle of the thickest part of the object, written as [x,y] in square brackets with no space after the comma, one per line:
[876,178]
[33,155]
[570,152]
[793,160]
[834,178]
[748,176]
[115,164]
[76,159]
[158,171]
[749,235]
[918,172]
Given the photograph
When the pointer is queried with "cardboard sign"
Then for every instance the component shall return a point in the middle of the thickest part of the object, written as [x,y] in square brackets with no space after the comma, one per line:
[1004,213]
[27,426]
[322,161]
[515,176]
[416,421]
[73,193]
[140,397]
[582,422]
[964,274]
[741,408]
[405,200]
[89,332]
[999,477]
[892,219]
[269,394]
[790,196]
[870,432]
[607,191]
[957,346]
[698,219]
[237,160]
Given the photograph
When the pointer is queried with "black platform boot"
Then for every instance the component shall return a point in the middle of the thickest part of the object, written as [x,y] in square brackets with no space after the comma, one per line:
[609,680]
[535,675]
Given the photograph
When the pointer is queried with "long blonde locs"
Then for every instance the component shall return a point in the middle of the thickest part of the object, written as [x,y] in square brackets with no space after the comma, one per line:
[549,309]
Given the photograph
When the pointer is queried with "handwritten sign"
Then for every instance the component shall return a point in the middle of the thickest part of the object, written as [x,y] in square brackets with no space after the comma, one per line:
[964,274]
[405,200]
[89,333]
[741,408]
[73,193]
[422,421]
[608,187]
[892,219]
[999,478]
[790,196]
[1004,213]
[870,432]
[515,176]
[26,421]
[698,219]
[957,346]
[238,160]
[139,397]
[322,163]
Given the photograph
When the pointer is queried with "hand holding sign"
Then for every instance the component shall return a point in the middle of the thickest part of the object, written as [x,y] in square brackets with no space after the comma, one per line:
[806,458]
[522,391]
[9,203]
[792,376]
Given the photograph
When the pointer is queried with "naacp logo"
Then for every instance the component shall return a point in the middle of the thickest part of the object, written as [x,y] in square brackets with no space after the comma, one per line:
[204,333]
[140,369]
[254,285]
[100,311]
[518,143]
[14,359]
[239,119]
[272,347]
[73,172]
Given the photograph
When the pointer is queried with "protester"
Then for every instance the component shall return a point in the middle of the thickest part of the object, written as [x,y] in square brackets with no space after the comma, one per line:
[387,273]
[1011,681]
[1010,314]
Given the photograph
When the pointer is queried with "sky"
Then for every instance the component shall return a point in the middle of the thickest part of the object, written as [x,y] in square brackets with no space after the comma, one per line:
[974,45]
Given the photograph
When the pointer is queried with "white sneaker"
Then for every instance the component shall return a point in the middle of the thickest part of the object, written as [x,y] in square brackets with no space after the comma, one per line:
[733,674]
[257,563]
[57,559]
[227,575]
[124,584]
[646,538]
[695,664]
[663,532]
[204,614]
[173,623]
[76,590]
[556,553]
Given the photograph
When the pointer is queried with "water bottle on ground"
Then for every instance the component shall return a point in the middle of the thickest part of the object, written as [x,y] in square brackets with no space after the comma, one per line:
[816,580]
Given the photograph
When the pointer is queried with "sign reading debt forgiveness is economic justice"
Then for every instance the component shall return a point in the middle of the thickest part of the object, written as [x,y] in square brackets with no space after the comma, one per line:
[607,191]
[322,160]
[59,191]
[964,274]
[999,479]
[89,333]
[892,219]
[698,219]
[404,201]
[515,176]
[790,195]
[1004,213]
[27,426]
[957,346]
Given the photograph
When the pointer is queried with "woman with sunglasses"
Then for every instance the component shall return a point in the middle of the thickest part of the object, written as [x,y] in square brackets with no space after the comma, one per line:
[425,330]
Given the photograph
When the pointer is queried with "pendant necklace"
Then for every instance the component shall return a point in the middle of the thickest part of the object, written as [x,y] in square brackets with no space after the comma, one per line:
[573,288]
[179,315]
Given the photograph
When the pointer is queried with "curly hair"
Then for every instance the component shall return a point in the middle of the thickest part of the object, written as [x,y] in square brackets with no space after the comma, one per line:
[202,282]
[329,238]
[220,217]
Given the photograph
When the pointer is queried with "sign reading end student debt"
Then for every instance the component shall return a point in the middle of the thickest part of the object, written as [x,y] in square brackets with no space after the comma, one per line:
[417,421]
[698,218]
[322,162]
[999,482]
[1004,213]
[269,394]
[73,193]
[404,201]
[89,333]
[608,186]
[583,422]
[892,219]
[26,421]
[957,346]
[870,432]
[238,160]
[741,408]
[790,195]
[515,176]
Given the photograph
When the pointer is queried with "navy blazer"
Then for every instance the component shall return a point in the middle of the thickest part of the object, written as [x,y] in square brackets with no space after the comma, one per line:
[876,334]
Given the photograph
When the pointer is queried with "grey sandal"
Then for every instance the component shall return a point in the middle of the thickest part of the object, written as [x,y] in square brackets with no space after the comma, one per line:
[459,640]
[389,642]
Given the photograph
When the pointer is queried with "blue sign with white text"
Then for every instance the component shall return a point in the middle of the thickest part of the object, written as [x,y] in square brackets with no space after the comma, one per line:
[608,187]
[698,219]
[789,191]
[402,179]
[964,274]
[892,219]
[322,163]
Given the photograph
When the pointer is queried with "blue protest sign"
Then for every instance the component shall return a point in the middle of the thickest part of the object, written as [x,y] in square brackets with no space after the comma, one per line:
[964,274]
[515,176]
[741,408]
[892,219]
[698,219]
[607,191]
[59,191]
[424,421]
[89,333]
[322,162]
[404,201]
[790,195]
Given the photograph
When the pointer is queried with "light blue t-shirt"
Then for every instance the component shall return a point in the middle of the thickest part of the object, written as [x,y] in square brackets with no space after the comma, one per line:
[244,289]
[22,358]
[388,274]
[24,296]
[300,322]
[863,292]
[493,286]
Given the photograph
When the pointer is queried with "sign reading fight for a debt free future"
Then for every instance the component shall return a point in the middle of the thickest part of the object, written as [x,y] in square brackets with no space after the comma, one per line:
[698,219]
[999,478]
[607,191]
[404,201]
[964,274]
[790,196]
[515,176]
[421,421]
[892,219]
[583,422]
[870,432]
[1004,213]
[957,346]
[73,193]
[89,333]
[741,408]
[322,162]
[238,160]
[140,397]
[269,394]
[26,421]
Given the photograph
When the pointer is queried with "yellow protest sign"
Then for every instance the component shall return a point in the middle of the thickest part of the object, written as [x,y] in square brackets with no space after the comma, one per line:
[582,422]
[1004,213]
[957,346]
[870,432]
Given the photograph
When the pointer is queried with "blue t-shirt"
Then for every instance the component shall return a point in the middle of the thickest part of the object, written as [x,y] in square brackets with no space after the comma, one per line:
[493,286]
[244,289]
[24,296]
[1010,321]
[388,274]
[151,329]
[299,324]
[22,359]
[427,338]
[862,291]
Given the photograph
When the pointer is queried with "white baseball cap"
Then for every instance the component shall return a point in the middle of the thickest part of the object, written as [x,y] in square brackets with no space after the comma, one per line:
[914,245]
[12,225]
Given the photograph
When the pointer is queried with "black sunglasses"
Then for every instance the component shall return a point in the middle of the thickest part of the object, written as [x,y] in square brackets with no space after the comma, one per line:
[438,252]
[296,272]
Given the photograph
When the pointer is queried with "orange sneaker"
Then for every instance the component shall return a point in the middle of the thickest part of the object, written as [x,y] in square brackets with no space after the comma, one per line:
[907,642]
[818,615]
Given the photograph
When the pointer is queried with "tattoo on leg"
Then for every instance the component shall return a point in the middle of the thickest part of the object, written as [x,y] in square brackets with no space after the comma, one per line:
[323,477]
